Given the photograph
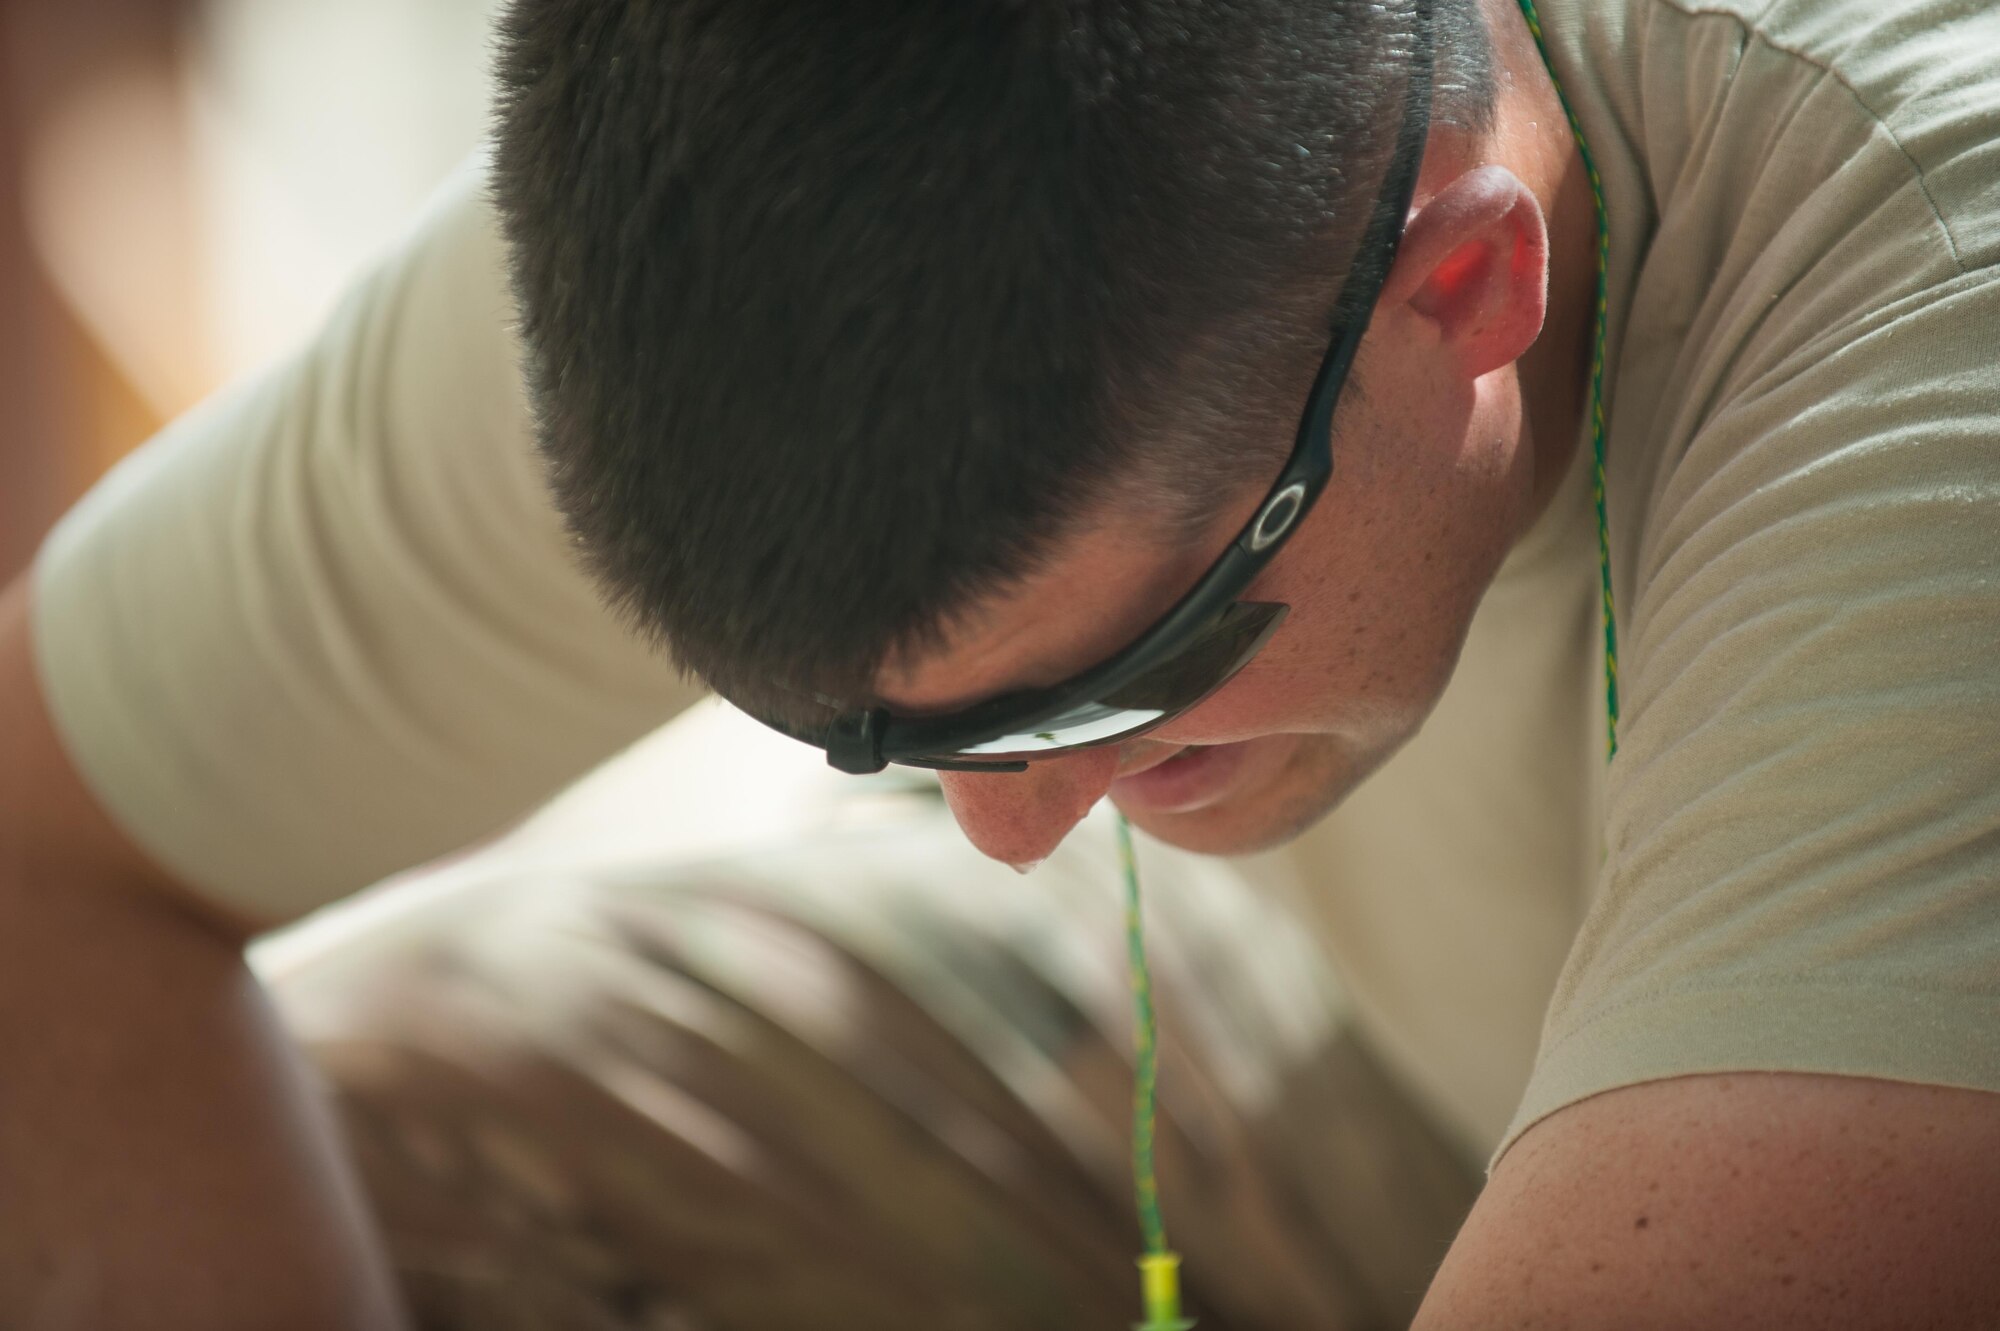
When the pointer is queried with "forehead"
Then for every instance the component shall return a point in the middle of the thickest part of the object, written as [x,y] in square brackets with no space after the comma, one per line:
[1103,585]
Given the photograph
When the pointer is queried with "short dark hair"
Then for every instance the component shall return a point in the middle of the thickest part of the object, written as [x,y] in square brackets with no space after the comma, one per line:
[838,315]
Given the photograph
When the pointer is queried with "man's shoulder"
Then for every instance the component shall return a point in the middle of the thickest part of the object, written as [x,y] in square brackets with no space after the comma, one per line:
[1919,77]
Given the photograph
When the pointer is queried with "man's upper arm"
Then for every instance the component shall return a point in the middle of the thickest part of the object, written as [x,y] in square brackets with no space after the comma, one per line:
[1754,1200]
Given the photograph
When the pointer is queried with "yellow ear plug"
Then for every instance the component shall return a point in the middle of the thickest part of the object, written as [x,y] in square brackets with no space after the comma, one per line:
[1160,1286]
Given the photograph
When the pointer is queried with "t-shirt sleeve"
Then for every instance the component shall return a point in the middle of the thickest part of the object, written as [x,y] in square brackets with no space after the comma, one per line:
[1802,865]
[329,625]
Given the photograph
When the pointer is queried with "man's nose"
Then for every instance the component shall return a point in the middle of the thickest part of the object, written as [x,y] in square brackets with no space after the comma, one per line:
[1020,817]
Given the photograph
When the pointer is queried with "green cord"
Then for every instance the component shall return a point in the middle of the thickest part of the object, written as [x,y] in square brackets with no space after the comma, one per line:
[1145,1086]
[1596,380]
[1159,1268]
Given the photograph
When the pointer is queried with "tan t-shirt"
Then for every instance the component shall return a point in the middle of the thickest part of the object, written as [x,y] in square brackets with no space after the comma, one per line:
[327,627]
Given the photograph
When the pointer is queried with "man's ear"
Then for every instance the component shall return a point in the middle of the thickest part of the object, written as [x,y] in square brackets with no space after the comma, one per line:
[1474,261]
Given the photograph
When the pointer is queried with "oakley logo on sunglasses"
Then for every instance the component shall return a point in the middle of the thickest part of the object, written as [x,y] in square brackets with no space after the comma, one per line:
[1278,516]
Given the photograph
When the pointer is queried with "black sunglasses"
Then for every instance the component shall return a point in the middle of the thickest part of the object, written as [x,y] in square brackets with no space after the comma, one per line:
[1210,635]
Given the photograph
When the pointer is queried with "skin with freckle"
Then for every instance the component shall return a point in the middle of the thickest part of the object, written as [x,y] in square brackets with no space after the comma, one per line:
[1832,1215]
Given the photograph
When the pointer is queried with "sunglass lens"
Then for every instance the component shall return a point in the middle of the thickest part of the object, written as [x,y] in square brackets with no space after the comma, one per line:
[1207,662]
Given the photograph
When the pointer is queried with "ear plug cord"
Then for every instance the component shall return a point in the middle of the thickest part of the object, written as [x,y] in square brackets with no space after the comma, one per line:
[1159,1268]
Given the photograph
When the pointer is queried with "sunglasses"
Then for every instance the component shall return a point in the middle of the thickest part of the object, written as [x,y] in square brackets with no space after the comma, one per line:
[1210,635]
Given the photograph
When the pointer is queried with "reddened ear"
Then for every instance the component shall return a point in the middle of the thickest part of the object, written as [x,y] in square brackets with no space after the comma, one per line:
[1474,261]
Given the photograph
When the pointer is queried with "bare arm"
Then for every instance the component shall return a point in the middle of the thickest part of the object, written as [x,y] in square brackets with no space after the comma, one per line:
[162,1161]
[1758,1200]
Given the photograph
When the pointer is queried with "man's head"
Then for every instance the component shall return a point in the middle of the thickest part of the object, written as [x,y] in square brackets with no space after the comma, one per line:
[916,352]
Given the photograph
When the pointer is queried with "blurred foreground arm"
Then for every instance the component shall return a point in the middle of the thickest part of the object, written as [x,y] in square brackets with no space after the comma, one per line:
[162,1161]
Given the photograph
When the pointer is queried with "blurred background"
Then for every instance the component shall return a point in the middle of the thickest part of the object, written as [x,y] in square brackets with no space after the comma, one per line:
[185,186]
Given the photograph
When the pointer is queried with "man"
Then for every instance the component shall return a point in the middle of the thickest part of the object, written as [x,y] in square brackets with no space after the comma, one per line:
[893,362]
